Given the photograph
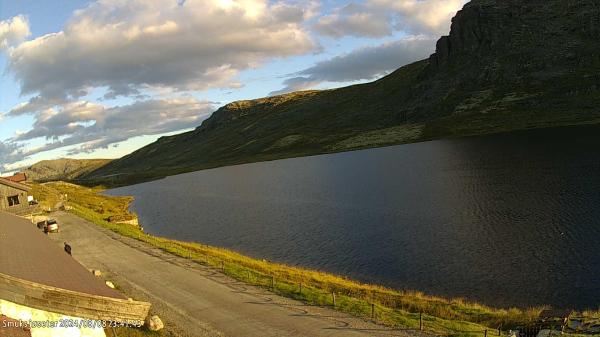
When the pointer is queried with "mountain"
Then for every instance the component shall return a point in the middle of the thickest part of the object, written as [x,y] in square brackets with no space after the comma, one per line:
[63,169]
[506,65]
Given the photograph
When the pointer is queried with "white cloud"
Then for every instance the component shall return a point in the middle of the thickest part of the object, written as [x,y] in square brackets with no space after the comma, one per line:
[13,31]
[362,64]
[377,18]
[129,46]
[422,16]
[92,126]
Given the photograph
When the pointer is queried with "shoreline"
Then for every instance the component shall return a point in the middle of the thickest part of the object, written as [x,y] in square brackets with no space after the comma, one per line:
[408,309]
[134,178]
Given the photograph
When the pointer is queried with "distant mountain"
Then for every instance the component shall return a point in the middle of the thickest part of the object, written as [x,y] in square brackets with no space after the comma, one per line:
[62,169]
[506,65]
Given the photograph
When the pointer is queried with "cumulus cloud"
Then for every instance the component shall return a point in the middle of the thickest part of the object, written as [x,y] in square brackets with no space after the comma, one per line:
[377,18]
[13,31]
[128,46]
[92,126]
[362,64]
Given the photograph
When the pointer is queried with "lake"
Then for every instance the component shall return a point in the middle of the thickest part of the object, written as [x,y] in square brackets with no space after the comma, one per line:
[508,220]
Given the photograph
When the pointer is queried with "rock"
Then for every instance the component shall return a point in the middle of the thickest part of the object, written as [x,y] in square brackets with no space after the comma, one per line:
[110,284]
[96,272]
[154,323]
[548,333]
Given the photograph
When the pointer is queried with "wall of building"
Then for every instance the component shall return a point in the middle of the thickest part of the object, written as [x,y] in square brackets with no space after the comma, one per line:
[7,191]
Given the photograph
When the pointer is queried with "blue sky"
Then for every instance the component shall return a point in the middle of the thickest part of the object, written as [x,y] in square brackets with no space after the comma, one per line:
[99,79]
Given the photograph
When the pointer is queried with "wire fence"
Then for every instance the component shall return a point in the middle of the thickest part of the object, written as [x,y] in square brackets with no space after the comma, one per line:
[358,305]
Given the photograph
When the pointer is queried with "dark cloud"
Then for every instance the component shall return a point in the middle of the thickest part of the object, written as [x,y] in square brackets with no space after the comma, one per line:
[10,152]
[92,126]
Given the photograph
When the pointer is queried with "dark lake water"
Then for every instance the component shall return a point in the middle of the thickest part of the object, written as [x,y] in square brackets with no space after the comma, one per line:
[509,220]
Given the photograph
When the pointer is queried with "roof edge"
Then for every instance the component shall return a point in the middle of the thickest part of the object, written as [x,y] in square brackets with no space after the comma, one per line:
[72,303]
[18,186]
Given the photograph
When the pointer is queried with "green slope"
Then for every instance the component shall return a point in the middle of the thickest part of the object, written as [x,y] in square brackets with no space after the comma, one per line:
[506,65]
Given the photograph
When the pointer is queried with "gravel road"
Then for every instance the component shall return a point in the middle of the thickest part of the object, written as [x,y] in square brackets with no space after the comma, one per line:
[195,300]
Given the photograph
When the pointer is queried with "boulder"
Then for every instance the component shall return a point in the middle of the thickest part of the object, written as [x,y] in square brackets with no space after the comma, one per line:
[154,323]
[96,272]
[110,284]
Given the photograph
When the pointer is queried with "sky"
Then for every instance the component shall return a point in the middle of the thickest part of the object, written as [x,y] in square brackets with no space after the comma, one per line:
[100,79]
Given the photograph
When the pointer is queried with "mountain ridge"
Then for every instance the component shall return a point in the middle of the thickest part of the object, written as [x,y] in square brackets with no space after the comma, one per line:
[62,169]
[506,65]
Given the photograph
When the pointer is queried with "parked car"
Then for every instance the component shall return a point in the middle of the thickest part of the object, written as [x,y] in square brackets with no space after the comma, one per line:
[51,226]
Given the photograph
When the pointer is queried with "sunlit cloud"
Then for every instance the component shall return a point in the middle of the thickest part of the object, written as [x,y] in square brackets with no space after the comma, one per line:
[128,46]
[377,18]
[13,31]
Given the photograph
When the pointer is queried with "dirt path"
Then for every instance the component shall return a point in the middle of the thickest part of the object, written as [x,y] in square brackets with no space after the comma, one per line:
[195,300]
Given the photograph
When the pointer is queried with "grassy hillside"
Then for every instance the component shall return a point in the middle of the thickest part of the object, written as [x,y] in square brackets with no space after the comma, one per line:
[506,65]
[63,169]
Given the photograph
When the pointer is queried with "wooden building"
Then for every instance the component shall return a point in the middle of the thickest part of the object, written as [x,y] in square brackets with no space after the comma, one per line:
[13,196]
[40,282]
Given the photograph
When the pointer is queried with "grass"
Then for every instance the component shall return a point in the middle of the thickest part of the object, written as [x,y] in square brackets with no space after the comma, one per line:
[394,308]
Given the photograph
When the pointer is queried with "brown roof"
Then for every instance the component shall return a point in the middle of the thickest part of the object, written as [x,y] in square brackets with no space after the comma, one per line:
[12,184]
[17,178]
[26,253]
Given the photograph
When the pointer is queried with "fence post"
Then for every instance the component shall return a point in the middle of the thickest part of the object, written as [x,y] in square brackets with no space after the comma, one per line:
[333,297]
[300,292]
[272,282]
[372,310]
[485,333]
[222,266]
[420,321]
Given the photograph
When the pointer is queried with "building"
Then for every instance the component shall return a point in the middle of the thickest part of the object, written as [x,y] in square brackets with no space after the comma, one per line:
[13,196]
[42,287]
[17,177]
